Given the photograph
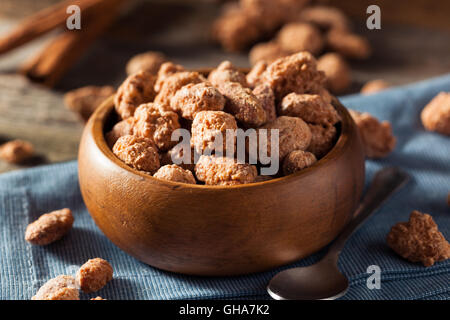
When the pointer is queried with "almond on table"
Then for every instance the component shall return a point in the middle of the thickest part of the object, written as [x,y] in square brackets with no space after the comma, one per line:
[50,227]
[60,288]
[419,240]
[85,100]
[16,151]
[377,137]
[94,275]
[436,114]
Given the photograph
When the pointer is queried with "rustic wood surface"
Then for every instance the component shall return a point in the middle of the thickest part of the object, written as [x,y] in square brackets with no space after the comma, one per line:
[403,54]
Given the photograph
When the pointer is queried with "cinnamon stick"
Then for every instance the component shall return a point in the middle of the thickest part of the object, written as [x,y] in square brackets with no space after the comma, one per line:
[42,22]
[57,58]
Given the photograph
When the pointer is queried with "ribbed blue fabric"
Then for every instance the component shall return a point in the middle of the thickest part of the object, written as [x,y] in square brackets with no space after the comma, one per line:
[26,194]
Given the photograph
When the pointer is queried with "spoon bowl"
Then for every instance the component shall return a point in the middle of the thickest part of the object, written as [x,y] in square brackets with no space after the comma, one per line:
[323,280]
[319,281]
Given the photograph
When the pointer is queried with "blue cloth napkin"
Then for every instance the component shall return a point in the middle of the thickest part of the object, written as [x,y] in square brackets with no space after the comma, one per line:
[25,195]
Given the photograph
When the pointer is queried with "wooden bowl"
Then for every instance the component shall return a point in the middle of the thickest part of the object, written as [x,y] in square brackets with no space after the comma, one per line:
[213,230]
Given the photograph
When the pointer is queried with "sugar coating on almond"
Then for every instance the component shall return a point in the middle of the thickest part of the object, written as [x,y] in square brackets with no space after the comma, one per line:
[419,240]
[337,72]
[296,73]
[94,275]
[122,128]
[166,70]
[224,171]
[298,36]
[377,137]
[266,96]
[137,152]
[436,114]
[50,227]
[206,127]
[193,98]
[310,107]
[298,160]
[322,139]
[152,121]
[60,288]
[243,104]
[175,173]
[227,72]
[293,134]
[175,82]
[149,61]
[255,75]
[137,89]
[266,52]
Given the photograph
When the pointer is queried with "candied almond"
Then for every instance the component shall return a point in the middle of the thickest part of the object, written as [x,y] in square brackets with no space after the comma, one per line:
[153,122]
[337,72]
[293,134]
[298,160]
[149,61]
[224,171]
[175,82]
[436,114]
[50,227]
[296,73]
[348,44]
[137,152]
[193,98]
[310,107]
[85,100]
[265,94]
[60,288]
[226,72]
[207,125]
[167,69]
[16,151]
[173,172]
[298,36]
[419,240]
[322,139]
[266,52]
[255,74]
[136,89]
[374,86]
[243,104]
[236,30]
[94,275]
[377,137]
[121,128]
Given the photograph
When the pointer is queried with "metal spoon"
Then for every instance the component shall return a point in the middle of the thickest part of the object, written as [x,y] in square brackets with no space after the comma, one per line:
[323,280]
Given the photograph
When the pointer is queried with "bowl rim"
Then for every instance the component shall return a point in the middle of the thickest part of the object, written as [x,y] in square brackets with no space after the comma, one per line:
[97,123]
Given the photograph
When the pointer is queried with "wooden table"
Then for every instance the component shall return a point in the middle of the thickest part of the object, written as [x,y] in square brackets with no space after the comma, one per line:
[403,54]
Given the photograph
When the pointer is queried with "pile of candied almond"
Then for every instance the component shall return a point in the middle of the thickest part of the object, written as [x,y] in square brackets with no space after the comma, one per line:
[288,95]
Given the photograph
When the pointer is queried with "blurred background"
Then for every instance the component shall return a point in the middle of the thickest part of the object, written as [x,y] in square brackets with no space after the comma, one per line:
[412,44]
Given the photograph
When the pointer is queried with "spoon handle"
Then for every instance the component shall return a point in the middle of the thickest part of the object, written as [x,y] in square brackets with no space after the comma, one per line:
[386,182]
